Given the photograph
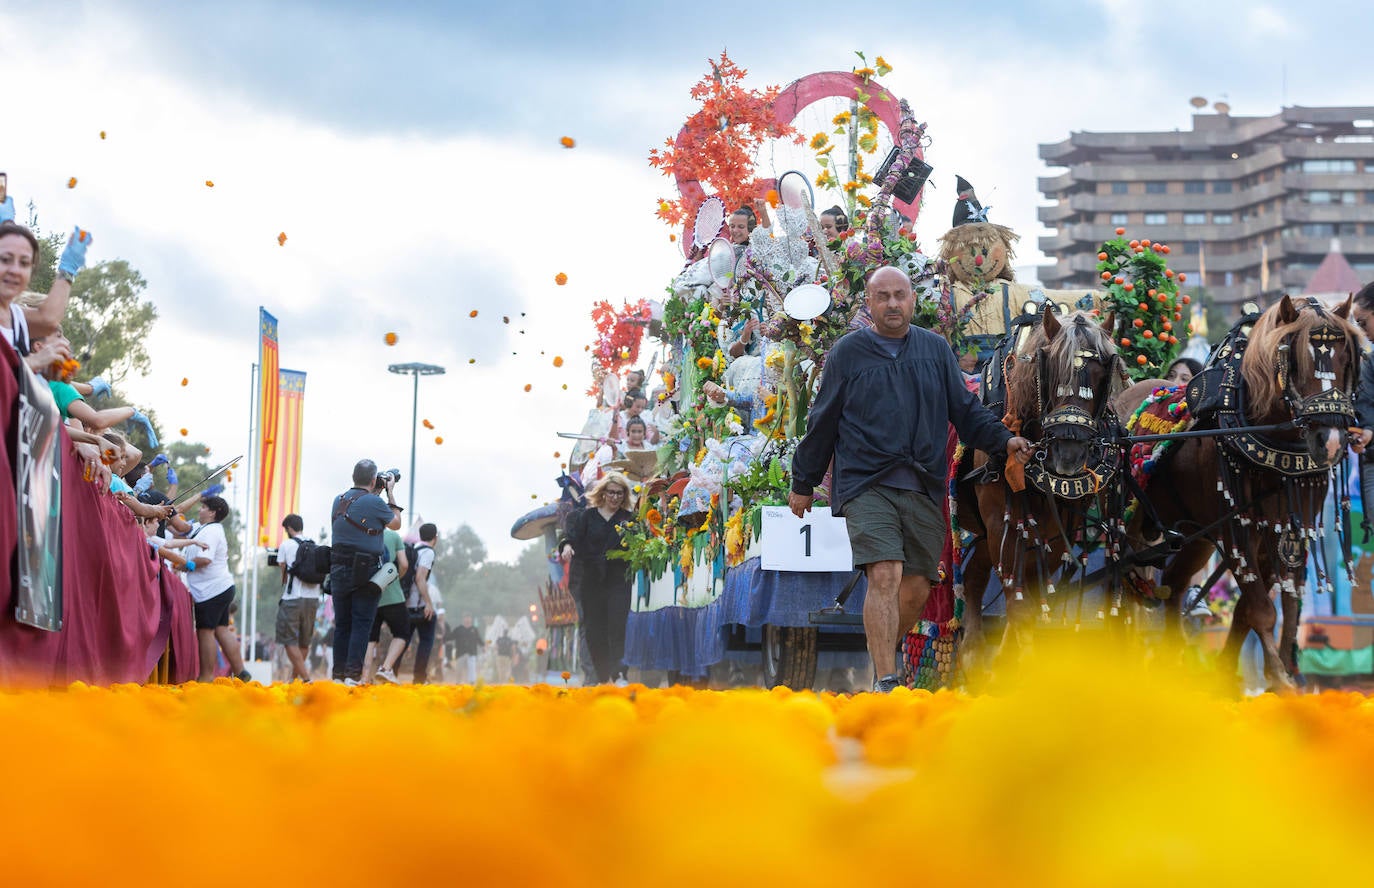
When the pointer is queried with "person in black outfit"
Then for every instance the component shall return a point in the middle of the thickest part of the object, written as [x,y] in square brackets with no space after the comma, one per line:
[601,585]
[1362,316]
[887,398]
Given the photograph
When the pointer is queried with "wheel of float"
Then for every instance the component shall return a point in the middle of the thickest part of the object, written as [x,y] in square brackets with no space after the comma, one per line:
[789,656]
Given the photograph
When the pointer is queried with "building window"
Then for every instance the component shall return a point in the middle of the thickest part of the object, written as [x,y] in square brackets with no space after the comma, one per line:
[1347,229]
[1221,218]
[1328,166]
[1191,248]
[1125,218]
[1195,187]
[1156,187]
[1156,218]
[1194,218]
[1118,188]
[1319,197]
[1317,229]
[1221,187]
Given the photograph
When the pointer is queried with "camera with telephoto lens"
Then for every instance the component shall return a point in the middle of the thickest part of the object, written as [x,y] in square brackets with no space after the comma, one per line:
[380,483]
[272,558]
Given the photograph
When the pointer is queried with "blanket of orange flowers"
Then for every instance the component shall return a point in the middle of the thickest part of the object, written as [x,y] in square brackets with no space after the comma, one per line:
[1078,776]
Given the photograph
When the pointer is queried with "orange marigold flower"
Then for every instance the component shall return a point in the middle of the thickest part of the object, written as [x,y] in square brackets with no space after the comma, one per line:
[184,380]
[427,424]
[438,439]
[773,198]
[390,338]
[71,183]
[528,386]
[557,361]
[567,142]
[281,239]
[209,184]
[183,433]
[102,134]
[473,313]
[560,279]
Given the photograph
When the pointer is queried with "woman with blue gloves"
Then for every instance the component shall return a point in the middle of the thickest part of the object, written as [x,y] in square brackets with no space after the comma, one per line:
[19,253]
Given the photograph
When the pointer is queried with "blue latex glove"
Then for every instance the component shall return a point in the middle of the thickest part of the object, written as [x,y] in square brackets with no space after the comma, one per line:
[74,256]
[190,566]
[142,420]
[171,476]
[100,388]
[144,484]
[159,460]
[7,209]
[213,490]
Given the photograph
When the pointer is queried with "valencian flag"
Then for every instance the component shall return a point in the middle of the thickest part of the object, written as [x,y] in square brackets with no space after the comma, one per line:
[284,497]
[268,383]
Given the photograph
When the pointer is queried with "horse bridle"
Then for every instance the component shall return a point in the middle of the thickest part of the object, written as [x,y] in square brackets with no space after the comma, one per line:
[1099,428]
[1332,406]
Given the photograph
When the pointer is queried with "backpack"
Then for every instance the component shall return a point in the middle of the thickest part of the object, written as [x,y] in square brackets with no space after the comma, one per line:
[412,561]
[311,564]
[505,646]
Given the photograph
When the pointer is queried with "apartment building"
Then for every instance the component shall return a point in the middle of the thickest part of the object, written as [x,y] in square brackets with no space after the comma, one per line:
[1243,192]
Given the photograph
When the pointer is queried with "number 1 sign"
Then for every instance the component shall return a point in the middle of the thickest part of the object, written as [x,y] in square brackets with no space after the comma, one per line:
[818,542]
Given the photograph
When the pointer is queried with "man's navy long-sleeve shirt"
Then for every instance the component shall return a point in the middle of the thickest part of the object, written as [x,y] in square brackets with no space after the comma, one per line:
[876,412]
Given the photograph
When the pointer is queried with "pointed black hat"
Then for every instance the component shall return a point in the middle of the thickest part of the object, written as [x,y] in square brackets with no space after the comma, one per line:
[967,209]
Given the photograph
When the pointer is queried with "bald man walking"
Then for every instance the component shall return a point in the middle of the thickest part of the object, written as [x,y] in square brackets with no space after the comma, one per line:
[887,397]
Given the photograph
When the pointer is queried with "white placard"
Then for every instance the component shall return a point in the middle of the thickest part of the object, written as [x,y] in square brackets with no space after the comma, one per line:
[818,542]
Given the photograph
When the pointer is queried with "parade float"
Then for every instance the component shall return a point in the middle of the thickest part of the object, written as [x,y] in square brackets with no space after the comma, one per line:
[735,352]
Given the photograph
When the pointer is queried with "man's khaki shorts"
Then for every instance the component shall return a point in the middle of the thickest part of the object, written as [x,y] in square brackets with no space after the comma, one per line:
[888,524]
[296,621]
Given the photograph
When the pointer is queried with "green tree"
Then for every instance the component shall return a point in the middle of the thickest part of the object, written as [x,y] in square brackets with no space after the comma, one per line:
[496,587]
[108,321]
[460,551]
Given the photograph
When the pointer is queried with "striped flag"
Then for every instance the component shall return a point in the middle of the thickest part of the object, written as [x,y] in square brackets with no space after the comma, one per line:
[268,383]
[285,497]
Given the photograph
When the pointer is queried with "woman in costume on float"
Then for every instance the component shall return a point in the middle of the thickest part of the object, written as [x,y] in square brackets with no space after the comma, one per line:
[601,585]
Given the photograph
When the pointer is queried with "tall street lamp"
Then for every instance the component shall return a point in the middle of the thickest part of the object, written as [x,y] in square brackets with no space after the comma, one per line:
[415,370]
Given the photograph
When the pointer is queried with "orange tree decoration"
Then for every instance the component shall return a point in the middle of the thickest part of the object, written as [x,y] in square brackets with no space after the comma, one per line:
[716,145]
[1143,292]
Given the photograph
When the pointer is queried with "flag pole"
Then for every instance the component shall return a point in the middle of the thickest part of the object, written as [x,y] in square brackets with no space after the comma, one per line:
[248,492]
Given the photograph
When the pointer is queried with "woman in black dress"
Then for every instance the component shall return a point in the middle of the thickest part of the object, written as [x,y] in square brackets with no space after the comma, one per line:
[601,585]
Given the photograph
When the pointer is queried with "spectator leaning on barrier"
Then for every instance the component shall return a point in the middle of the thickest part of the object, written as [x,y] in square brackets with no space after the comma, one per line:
[358,518]
[212,590]
[300,598]
[419,601]
[20,325]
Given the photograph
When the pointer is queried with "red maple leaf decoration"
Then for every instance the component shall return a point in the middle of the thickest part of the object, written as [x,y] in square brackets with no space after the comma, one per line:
[716,145]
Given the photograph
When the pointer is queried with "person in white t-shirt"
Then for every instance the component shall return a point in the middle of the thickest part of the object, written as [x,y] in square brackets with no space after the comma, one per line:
[423,619]
[299,601]
[212,590]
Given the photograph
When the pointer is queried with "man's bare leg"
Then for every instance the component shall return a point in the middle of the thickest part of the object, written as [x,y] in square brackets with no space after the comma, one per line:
[911,600]
[881,614]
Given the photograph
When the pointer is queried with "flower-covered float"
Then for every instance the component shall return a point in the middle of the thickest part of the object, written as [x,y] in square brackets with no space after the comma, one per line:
[770,282]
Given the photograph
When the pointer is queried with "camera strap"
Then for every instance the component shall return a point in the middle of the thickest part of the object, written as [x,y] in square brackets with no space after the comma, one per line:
[342,512]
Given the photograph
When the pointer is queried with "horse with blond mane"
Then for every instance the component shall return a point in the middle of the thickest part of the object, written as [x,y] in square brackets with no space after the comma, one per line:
[1255,493]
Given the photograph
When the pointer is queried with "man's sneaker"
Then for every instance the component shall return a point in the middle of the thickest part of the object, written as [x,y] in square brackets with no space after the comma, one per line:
[352,683]
[887,684]
[387,676]
[244,676]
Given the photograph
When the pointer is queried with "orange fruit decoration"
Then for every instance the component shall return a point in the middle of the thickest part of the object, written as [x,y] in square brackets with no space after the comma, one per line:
[1139,323]
[1120,231]
[1125,343]
[1101,257]
[1182,277]
[1149,334]
[1141,360]
[1186,299]
[1128,287]
[1106,275]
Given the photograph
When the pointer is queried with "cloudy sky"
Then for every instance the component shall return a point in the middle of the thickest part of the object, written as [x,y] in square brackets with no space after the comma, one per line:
[410,153]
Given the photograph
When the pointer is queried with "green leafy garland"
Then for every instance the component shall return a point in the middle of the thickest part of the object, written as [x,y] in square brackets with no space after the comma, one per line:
[1143,293]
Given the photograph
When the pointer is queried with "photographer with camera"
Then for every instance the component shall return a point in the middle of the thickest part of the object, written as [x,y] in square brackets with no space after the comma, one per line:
[356,554]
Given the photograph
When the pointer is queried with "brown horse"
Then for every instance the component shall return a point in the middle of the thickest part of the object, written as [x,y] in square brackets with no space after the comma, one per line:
[1060,386]
[1258,497]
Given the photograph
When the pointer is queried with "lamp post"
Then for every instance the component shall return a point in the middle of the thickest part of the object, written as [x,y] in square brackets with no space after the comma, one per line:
[414,370]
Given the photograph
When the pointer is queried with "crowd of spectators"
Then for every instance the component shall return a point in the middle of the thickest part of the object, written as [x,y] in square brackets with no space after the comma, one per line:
[102,438]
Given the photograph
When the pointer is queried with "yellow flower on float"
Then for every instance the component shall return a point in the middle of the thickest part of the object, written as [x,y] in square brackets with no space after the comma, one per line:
[819,141]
